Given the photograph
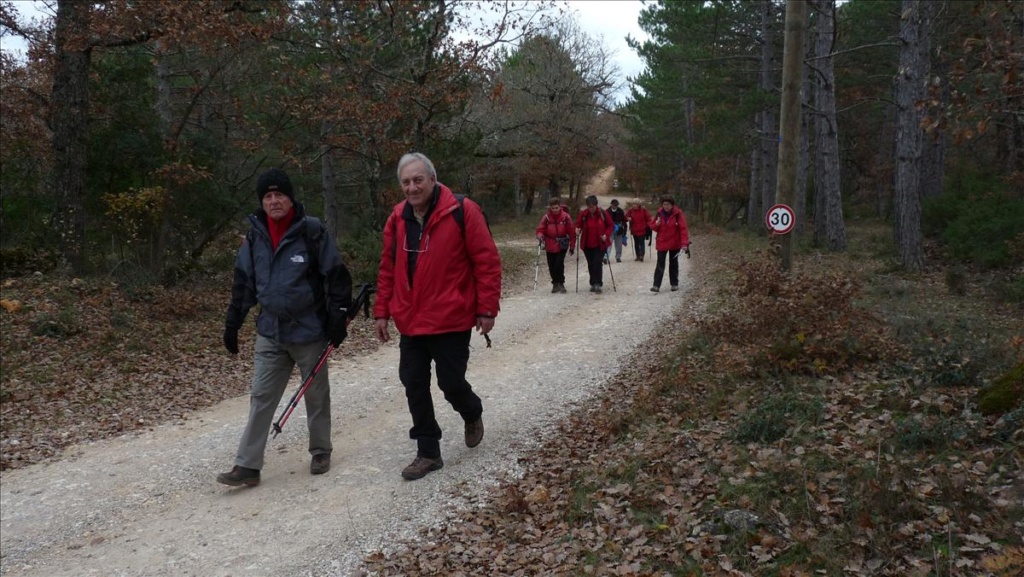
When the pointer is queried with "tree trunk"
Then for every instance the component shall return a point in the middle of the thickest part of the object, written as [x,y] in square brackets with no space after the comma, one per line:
[754,220]
[70,122]
[769,122]
[933,161]
[803,159]
[164,94]
[329,185]
[826,142]
[909,137]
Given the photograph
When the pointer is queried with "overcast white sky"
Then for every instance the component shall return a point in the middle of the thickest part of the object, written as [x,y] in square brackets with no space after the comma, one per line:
[611,21]
[606,20]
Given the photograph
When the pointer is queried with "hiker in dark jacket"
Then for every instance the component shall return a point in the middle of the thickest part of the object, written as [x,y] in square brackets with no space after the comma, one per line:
[618,217]
[558,235]
[594,228]
[439,278]
[304,292]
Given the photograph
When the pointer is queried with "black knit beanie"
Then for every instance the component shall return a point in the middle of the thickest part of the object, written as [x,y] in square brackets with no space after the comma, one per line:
[274,179]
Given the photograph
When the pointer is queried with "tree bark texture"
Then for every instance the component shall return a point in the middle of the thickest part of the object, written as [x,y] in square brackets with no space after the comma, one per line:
[70,122]
[769,121]
[754,213]
[803,162]
[909,138]
[826,136]
[329,185]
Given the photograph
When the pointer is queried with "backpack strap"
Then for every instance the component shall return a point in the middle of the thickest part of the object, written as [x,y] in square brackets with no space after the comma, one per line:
[314,231]
[458,215]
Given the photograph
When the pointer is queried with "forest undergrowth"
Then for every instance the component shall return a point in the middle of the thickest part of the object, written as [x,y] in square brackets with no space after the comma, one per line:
[824,422]
[829,421]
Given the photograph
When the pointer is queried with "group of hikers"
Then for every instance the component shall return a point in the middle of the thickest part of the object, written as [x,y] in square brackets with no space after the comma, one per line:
[599,231]
[439,279]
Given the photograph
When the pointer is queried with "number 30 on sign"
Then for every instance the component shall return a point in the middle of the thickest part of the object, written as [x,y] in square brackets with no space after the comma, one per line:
[780,219]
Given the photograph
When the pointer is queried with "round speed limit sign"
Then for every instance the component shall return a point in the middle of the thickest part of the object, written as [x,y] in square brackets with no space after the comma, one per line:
[780,219]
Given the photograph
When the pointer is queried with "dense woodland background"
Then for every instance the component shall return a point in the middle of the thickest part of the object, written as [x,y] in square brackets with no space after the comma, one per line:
[862,414]
[132,131]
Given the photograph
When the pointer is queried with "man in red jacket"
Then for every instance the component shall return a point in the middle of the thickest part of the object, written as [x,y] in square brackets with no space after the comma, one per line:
[673,236]
[440,276]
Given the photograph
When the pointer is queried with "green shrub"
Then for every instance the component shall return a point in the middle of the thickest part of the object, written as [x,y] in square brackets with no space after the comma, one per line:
[1003,395]
[768,421]
[20,261]
[956,280]
[919,434]
[977,220]
[60,326]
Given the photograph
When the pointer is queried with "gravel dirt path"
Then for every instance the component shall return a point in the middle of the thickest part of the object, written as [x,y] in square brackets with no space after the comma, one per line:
[148,504]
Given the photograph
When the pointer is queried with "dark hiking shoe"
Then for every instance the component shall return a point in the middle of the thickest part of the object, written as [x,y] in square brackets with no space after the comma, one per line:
[474,432]
[320,464]
[240,476]
[675,288]
[655,289]
[554,288]
[561,288]
[641,259]
[597,290]
[618,259]
[420,467]
[593,287]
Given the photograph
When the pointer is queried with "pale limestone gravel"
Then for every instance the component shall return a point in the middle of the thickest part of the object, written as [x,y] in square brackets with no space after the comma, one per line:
[147,504]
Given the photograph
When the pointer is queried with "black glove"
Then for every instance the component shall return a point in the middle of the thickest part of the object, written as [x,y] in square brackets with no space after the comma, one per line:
[337,327]
[231,340]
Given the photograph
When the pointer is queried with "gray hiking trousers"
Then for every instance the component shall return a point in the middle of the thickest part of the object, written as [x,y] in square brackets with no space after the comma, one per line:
[272,369]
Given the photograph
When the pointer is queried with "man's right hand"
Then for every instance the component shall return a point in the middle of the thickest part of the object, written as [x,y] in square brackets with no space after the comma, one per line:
[381,327]
[231,340]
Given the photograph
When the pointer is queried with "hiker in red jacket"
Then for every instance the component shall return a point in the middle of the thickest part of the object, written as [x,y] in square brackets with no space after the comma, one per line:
[439,278]
[673,236]
[558,235]
[640,222]
[594,227]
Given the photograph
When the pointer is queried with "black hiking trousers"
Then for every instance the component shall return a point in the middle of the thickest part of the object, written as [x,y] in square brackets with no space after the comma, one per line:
[450,353]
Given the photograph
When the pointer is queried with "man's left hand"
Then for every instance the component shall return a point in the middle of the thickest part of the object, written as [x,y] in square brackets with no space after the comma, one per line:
[337,328]
[484,324]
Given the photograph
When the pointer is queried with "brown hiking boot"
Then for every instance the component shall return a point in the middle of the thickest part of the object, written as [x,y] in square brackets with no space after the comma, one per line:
[240,476]
[320,464]
[420,467]
[474,432]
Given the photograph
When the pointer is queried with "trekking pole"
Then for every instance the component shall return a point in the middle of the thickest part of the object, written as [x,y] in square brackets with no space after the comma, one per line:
[612,275]
[577,264]
[362,300]
[536,272]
